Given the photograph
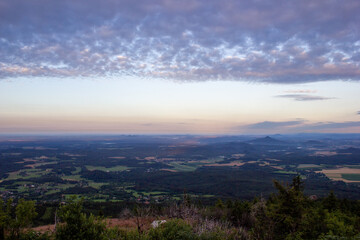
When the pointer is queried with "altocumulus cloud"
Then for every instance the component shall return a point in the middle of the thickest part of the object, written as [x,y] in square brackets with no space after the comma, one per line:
[276,41]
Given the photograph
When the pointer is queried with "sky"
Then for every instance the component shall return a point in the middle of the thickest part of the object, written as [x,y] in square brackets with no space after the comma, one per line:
[179,67]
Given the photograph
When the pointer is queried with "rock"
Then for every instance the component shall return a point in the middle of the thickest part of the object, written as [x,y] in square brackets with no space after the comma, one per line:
[157,223]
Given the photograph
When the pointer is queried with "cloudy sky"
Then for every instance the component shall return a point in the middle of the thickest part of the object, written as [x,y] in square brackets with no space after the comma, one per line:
[189,66]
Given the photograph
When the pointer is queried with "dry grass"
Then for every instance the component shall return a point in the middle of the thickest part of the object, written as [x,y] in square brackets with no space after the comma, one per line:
[46,228]
[230,164]
[126,224]
[342,170]
[169,170]
[130,223]
[335,174]
[277,167]
[324,153]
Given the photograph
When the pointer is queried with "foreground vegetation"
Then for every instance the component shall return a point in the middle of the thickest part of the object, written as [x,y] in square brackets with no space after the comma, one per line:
[289,214]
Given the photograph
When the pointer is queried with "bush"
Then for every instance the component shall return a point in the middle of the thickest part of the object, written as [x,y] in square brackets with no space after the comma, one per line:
[114,233]
[76,225]
[32,235]
[174,229]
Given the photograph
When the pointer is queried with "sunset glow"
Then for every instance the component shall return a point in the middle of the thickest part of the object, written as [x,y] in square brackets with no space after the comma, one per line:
[179,67]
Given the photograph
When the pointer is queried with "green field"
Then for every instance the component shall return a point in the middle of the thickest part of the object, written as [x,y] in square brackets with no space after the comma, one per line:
[96,185]
[77,171]
[52,192]
[24,174]
[64,186]
[133,192]
[286,172]
[182,167]
[351,176]
[118,168]
[76,177]
[309,166]
[353,166]
[154,193]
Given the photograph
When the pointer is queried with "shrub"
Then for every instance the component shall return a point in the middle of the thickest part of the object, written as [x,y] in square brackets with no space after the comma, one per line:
[76,225]
[174,229]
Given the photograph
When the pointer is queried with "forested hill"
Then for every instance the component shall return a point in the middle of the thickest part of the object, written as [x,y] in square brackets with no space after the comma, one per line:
[288,214]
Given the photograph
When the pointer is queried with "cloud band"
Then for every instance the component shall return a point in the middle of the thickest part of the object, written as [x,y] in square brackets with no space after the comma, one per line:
[278,42]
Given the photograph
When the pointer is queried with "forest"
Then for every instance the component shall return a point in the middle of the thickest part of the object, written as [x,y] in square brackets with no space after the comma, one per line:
[286,214]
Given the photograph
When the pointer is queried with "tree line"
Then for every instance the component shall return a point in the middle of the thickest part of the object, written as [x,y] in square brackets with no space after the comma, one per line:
[287,214]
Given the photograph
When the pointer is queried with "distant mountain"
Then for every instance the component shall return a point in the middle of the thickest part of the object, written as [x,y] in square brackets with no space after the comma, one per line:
[278,135]
[313,143]
[228,148]
[266,140]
